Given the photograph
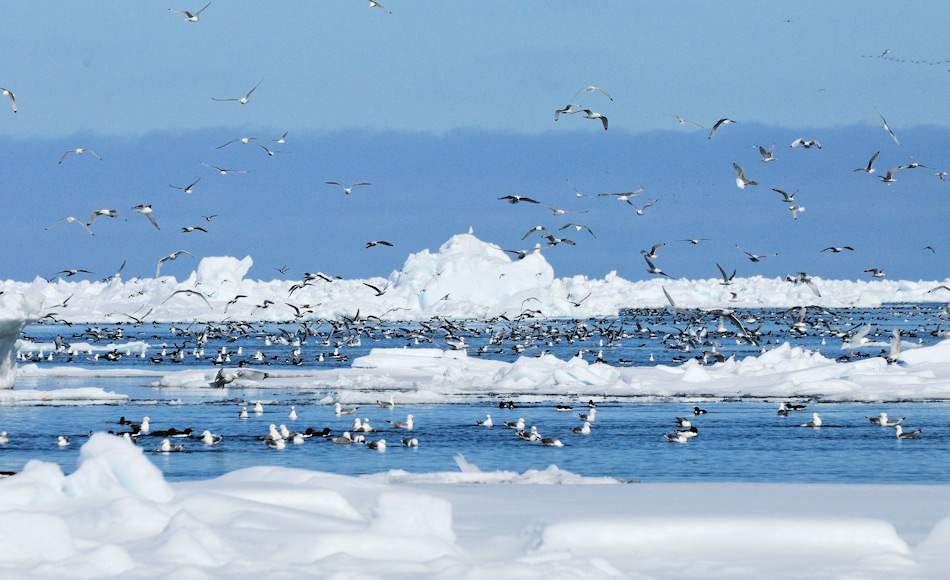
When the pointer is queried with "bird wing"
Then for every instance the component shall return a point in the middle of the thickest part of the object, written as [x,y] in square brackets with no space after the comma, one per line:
[255,88]
[202,10]
[151,218]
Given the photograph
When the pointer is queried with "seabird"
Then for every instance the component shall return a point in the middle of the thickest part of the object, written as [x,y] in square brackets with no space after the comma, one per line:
[767,155]
[786,196]
[173,256]
[876,272]
[186,189]
[578,227]
[189,229]
[486,423]
[683,422]
[70,273]
[62,441]
[592,115]
[410,442]
[588,416]
[726,279]
[640,210]
[652,269]
[79,151]
[387,404]
[815,421]
[3,438]
[837,249]
[908,435]
[167,447]
[243,413]
[223,171]
[378,243]
[883,421]
[623,196]
[375,4]
[243,140]
[741,181]
[795,209]
[270,153]
[676,437]
[210,439]
[583,429]
[756,257]
[559,212]
[340,410]
[242,100]
[869,169]
[717,125]
[191,292]
[377,445]
[189,17]
[516,425]
[551,442]
[7,93]
[293,413]
[591,89]
[72,219]
[805,144]
[258,408]
[104,212]
[694,241]
[518,199]
[407,424]
[146,210]
[698,411]
[886,128]
[683,121]
[347,190]
[568,110]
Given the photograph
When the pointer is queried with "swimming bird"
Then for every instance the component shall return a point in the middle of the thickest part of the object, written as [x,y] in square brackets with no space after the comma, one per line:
[756,257]
[387,404]
[377,445]
[258,408]
[209,438]
[243,413]
[815,421]
[347,190]
[224,171]
[883,421]
[718,124]
[869,169]
[173,256]
[186,189]
[486,423]
[516,425]
[293,413]
[683,422]
[563,408]
[375,4]
[407,424]
[901,434]
[166,446]
[592,115]
[683,121]
[676,437]
[767,155]
[652,269]
[888,129]
[591,89]
[7,93]
[551,442]
[588,416]
[410,442]
[79,151]
[340,410]
[62,441]
[189,17]
[698,411]
[741,181]
[3,438]
[876,272]
[72,219]
[243,100]
[583,429]
[837,249]
[103,212]
[146,210]
[805,144]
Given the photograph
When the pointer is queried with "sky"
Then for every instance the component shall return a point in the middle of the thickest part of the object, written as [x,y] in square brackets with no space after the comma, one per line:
[444,107]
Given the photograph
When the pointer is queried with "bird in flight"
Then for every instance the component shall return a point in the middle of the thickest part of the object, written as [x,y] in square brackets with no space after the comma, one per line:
[7,93]
[837,249]
[173,256]
[795,208]
[869,169]
[79,151]
[517,199]
[189,229]
[755,257]
[767,155]
[591,115]
[222,171]
[375,4]
[640,210]
[189,17]
[191,292]
[888,129]
[378,243]
[741,181]
[72,219]
[578,227]
[243,100]
[105,212]
[624,196]
[559,212]
[591,89]
[243,140]
[876,272]
[652,269]
[568,110]
[186,189]
[683,121]
[146,210]
[347,190]
[805,144]
[787,197]
[718,124]
[73,272]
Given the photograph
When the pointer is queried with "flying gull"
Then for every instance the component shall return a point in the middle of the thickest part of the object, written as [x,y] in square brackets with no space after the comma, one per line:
[683,121]
[591,89]
[242,100]
[719,123]
[869,169]
[146,210]
[79,151]
[189,17]
[741,181]
[72,219]
[347,190]
[173,256]
[223,171]
[186,189]
[886,128]
[7,93]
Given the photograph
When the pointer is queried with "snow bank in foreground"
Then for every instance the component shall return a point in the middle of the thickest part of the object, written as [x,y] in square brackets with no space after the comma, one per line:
[436,376]
[116,515]
[466,278]
[16,311]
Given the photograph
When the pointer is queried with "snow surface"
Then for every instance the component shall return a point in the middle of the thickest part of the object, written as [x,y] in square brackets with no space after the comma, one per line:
[117,516]
[16,311]
[466,279]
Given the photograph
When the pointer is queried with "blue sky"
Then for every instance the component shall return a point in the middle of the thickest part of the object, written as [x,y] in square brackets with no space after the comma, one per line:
[447,106]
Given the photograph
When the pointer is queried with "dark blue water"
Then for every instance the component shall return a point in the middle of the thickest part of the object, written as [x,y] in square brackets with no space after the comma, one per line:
[741,440]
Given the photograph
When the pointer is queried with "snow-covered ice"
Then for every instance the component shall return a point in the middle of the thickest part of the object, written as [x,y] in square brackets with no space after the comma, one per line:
[116,515]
